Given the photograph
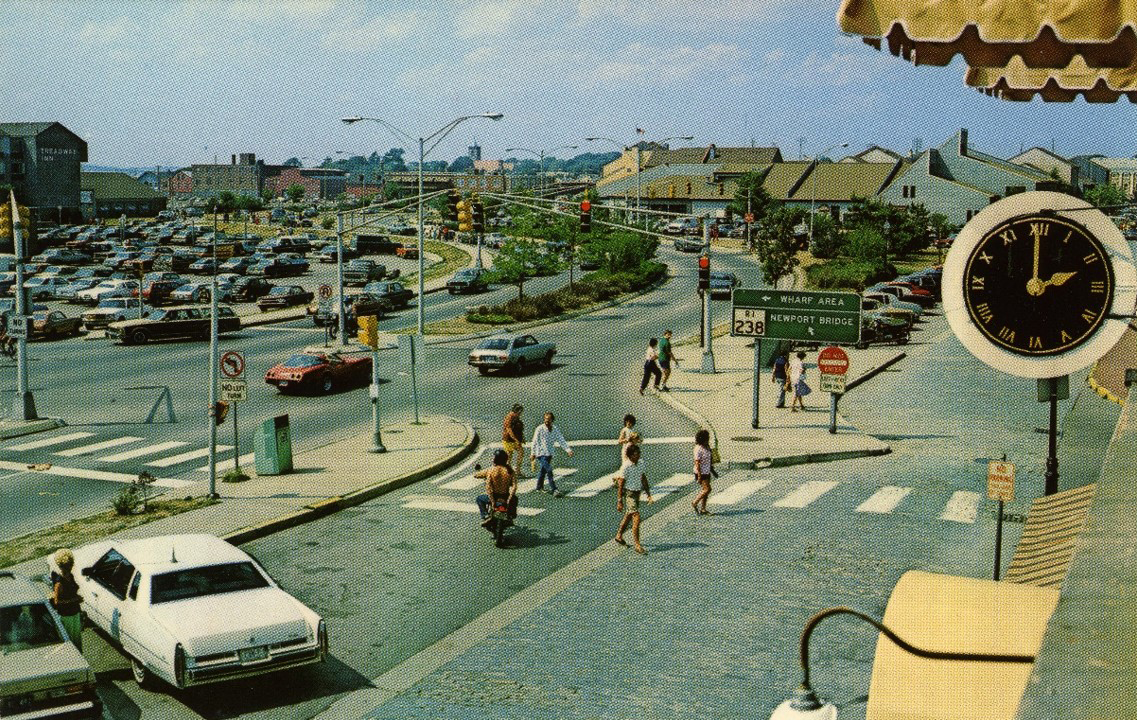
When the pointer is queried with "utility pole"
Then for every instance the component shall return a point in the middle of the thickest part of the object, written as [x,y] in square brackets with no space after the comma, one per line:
[24,405]
[214,361]
[708,352]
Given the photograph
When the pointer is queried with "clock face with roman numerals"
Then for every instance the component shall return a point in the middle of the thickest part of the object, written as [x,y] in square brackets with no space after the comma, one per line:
[1038,284]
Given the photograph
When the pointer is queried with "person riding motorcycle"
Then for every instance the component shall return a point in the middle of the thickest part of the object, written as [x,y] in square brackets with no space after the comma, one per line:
[501,486]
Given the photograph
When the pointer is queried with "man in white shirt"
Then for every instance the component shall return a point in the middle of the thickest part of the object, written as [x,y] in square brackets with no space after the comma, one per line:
[545,440]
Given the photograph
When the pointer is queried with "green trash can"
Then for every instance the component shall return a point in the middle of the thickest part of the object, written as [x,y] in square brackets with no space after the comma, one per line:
[272,446]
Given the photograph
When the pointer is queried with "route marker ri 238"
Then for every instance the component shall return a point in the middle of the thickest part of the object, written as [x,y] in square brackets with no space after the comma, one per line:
[807,316]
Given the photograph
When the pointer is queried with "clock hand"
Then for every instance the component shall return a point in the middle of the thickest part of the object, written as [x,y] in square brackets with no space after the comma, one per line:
[1035,285]
[1060,278]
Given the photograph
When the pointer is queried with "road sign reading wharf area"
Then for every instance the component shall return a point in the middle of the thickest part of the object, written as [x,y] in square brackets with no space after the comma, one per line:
[797,315]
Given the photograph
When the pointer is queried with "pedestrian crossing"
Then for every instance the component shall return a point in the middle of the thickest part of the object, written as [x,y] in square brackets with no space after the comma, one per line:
[961,507]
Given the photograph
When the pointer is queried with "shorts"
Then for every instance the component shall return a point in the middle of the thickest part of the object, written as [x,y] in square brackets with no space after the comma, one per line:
[511,446]
[631,501]
[665,364]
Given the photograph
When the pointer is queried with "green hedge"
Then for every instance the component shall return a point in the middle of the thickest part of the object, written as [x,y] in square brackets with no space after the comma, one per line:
[593,288]
[842,273]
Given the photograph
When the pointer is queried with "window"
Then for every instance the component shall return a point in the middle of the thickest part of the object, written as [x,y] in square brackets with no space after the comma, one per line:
[210,580]
[113,572]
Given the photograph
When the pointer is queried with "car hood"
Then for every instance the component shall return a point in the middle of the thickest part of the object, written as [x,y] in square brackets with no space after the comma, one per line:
[227,622]
[41,668]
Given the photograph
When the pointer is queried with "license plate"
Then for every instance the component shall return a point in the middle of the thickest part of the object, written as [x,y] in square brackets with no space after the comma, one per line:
[283,383]
[252,654]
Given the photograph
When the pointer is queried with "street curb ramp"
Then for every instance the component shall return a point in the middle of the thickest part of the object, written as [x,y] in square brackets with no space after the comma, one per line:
[331,505]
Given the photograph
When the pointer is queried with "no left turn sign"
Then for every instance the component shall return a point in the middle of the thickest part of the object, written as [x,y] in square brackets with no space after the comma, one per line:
[232,364]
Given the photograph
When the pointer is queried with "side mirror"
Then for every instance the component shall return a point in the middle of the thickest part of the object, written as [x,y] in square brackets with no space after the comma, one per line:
[477,466]
[87,571]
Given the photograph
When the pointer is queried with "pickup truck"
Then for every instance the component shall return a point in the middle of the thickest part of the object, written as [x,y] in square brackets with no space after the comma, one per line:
[362,271]
[511,353]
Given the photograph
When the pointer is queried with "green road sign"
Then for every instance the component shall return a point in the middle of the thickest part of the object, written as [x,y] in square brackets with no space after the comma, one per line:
[802,315]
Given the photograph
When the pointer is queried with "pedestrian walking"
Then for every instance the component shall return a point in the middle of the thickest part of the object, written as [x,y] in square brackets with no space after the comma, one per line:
[65,597]
[665,360]
[651,365]
[546,438]
[631,484]
[781,379]
[704,470]
[513,436]
[797,382]
[628,436]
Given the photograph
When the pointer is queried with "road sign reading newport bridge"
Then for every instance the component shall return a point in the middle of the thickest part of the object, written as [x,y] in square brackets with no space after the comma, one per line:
[829,317]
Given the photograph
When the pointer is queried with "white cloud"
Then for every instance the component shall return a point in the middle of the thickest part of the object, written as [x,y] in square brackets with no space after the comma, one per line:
[491,17]
[366,34]
[108,33]
[645,65]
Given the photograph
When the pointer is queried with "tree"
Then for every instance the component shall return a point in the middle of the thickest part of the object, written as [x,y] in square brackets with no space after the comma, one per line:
[940,225]
[393,161]
[294,192]
[827,241]
[865,243]
[462,164]
[511,266]
[776,244]
[1106,195]
[293,162]
[226,201]
[750,189]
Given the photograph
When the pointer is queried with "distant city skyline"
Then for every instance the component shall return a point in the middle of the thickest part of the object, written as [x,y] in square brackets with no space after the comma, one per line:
[177,83]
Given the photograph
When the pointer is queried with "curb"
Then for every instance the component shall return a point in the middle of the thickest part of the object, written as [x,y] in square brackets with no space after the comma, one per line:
[331,505]
[8,429]
[806,458]
[693,415]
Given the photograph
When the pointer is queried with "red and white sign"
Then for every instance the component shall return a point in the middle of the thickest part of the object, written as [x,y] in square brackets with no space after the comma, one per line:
[1001,480]
[232,364]
[832,361]
[325,291]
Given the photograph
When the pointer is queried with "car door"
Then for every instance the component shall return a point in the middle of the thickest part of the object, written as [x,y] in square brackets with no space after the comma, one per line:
[105,595]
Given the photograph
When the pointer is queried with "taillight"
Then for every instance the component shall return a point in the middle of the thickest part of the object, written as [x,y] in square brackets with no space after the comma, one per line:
[322,639]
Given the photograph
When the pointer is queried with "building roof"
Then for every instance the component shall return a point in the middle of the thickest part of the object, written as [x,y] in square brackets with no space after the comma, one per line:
[627,184]
[713,154]
[870,150]
[24,129]
[1044,151]
[116,186]
[784,178]
[1111,163]
[845,181]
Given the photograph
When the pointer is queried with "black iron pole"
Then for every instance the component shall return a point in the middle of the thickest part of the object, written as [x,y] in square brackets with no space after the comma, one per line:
[1052,457]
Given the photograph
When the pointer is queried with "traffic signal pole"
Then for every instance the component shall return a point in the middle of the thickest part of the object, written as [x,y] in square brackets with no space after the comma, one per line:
[24,406]
[708,351]
[214,361]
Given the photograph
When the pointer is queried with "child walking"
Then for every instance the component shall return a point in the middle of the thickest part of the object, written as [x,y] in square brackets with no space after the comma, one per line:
[631,483]
[704,470]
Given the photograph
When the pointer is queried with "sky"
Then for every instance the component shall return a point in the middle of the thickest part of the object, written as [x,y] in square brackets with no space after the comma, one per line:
[173,83]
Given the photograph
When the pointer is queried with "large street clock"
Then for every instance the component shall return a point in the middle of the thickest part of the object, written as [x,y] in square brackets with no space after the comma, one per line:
[1039,285]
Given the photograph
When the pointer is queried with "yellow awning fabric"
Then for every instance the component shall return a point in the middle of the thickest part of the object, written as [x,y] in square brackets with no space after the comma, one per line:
[1018,82]
[988,33]
[957,614]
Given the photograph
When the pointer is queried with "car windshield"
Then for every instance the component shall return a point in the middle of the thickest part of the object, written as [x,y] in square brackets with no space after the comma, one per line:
[208,580]
[466,274]
[495,344]
[303,361]
[158,315]
[280,290]
[27,626]
[113,303]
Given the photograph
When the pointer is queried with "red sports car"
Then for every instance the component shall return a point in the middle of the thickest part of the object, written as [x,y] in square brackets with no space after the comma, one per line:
[320,372]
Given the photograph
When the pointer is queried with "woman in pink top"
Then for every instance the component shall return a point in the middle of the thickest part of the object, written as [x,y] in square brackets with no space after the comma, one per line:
[704,470]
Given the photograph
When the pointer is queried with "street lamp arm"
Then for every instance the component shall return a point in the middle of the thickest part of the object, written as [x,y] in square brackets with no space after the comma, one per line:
[438,135]
[402,135]
[615,142]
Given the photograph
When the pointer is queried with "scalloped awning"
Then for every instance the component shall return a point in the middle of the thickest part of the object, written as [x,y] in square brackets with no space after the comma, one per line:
[1017,82]
[990,33]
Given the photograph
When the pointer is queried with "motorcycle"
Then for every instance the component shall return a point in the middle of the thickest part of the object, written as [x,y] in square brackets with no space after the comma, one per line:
[499,520]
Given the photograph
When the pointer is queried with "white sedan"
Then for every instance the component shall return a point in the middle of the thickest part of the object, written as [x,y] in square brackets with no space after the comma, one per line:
[107,289]
[193,609]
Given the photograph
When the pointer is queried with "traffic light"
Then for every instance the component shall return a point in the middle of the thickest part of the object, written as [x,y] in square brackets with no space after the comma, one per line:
[479,211]
[7,236]
[453,198]
[368,331]
[585,216]
[220,411]
[465,217]
[704,273]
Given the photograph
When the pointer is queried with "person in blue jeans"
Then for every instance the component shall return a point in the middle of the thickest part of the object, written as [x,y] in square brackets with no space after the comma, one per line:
[780,379]
[545,439]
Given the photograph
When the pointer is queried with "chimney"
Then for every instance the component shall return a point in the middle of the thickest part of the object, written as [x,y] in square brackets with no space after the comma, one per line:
[963,142]
[234,159]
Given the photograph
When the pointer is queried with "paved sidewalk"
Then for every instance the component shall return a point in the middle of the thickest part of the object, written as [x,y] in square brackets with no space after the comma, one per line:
[325,479]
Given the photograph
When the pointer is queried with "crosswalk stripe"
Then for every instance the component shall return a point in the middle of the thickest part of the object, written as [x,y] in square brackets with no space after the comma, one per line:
[469,482]
[645,441]
[884,500]
[86,474]
[186,456]
[962,507]
[57,440]
[806,493]
[139,452]
[593,488]
[223,465]
[95,447]
[672,484]
[455,506]
[737,492]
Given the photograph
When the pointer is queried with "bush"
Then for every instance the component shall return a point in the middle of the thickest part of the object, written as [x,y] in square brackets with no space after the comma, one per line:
[843,273]
[234,475]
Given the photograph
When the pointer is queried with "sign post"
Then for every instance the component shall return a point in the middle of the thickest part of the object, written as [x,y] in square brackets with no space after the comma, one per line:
[833,363]
[234,389]
[1001,487]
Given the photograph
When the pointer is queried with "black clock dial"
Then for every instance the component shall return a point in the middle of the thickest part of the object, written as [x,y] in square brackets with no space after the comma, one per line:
[1038,285]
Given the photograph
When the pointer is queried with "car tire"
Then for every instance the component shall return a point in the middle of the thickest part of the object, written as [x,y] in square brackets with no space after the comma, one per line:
[139,337]
[326,384]
[519,366]
[549,359]
[140,674]
[903,339]
[483,371]
[862,345]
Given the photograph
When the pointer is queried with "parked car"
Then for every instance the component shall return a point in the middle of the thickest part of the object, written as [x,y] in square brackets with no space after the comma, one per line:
[903,294]
[249,288]
[70,291]
[920,295]
[362,271]
[284,296]
[107,289]
[882,329]
[391,291]
[408,252]
[194,609]
[44,675]
[45,287]
[63,256]
[467,280]
[320,372]
[203,266]
[511,353]
[689,243]
[324,312]
[279,266]
[367,244]
[682,226]
[328,253]
[890,300]
[238,265]
[182,321]
[110,310]
[194,292]
[723,284]
[53,324]
[870,307]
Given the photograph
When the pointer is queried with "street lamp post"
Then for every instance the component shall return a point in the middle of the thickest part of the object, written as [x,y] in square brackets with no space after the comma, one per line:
[813,193]
[639,161]
[434,138]
[541,158]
